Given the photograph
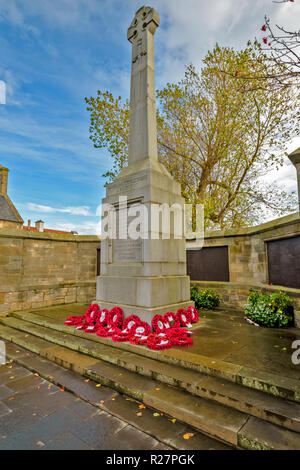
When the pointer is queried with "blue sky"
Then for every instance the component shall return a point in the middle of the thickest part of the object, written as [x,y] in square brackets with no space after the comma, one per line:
[53,53]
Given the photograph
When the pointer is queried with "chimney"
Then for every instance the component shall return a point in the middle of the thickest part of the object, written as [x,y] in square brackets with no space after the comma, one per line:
[3,180]
[39,225]
[28,225]
[295,159]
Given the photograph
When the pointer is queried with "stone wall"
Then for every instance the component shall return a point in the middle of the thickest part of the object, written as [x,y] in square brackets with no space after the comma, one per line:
[248,263]
[247,249]
[39,269]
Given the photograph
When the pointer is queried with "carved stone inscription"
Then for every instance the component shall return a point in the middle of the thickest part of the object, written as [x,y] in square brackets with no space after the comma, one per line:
[125,250]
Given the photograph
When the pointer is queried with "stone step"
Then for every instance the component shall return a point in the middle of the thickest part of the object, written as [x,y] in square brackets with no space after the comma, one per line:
[268,383]
[206,415]
[253,402]
[211,418]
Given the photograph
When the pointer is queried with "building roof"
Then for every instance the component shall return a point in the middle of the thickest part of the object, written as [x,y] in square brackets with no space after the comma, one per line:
[49,230]
[6,210]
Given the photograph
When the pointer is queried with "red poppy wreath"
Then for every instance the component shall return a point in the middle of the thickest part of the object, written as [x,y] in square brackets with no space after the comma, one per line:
[74,320]
[103,318]
[106,331]
[115,317]
[140,333]
[128,324]
[182,339]
[159,324]
[159,341]
[184,317]
[194,314]
[172,319]
[92,313]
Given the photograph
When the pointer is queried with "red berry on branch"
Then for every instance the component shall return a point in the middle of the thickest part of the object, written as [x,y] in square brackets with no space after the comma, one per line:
[265,40]
[263,28]
[236,73]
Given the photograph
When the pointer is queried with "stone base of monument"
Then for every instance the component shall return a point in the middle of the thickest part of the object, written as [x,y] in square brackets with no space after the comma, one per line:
[144,276]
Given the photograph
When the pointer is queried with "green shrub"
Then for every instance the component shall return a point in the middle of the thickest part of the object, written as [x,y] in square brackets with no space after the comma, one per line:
[206,298]
[273,311]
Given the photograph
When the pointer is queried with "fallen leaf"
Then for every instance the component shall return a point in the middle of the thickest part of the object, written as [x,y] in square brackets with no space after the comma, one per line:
[142,407]
[188,435]
[87,380]
[9,367]
[49,386]
[234,342]
[157,388]
[283,349]
[36,375]
[155,414]
[98,385]
[38,387]
[11,398]
[62,389]
[101,401]
[12,377]
[139,414]
[17,351]
[173,420]
[113,399]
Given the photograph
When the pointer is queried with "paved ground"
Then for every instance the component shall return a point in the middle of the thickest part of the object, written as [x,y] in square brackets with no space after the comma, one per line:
[36,414]
[225,335]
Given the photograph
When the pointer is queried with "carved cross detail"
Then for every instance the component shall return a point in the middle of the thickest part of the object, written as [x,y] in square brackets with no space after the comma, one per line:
[146,19]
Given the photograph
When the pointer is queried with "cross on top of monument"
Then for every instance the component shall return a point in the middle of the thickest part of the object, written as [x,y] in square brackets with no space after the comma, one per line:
[146,18]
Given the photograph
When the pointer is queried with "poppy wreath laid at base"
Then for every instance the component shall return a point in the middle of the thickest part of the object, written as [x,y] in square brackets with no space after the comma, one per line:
[159,342]
[192,311]
[168,330]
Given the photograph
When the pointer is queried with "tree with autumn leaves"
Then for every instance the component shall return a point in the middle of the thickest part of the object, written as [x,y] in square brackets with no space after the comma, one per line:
[216,140]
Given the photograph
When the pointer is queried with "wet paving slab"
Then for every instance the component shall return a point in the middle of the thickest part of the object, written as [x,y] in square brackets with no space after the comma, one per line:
[36,415]
[41,414]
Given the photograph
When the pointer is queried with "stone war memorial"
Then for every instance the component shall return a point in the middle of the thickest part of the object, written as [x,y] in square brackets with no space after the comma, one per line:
[160,338]
[146,276]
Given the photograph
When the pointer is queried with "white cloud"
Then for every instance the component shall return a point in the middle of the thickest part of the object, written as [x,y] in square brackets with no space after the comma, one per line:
[88,228]
[79,210]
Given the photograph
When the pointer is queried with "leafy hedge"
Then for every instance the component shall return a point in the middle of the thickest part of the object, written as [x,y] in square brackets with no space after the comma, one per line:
[206,298]
[273,311]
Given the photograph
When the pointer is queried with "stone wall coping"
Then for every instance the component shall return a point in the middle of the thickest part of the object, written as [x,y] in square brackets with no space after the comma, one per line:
[247,285]
[69,237]
[248,231]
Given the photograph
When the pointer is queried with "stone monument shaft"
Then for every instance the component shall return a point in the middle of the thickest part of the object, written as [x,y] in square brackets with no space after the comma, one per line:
[142,134]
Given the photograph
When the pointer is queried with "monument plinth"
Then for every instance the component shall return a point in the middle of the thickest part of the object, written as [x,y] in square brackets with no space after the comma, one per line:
[145,276]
